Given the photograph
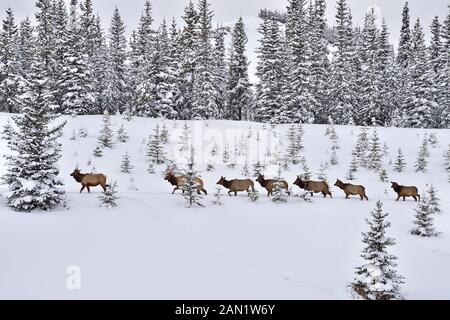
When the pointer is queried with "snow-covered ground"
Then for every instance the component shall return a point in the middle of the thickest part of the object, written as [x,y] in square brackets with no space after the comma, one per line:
[152,247]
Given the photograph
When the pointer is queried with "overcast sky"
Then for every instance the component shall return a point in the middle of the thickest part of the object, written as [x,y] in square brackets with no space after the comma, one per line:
[229,10]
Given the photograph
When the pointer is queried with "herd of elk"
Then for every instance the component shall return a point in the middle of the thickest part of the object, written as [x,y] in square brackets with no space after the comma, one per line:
[88,180]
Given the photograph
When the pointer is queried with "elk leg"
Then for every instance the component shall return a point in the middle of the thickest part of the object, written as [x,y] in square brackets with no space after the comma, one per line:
[88,189]
[418,197]
[367,198]
[198,191]
[82,188]
[415,198]
[229,193]
[104,188]
[346,196]
[398,198]
[204,190]
[312,194]
[404,198]
[331,196]
[235,193]
[175,190]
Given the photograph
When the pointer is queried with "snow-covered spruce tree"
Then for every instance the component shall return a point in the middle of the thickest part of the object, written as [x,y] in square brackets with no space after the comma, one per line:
[419,104]
[434,201]
[27,47]
[307,175]
[117,93]
[164,134]
[98,152]
[362,146]
[353,167]
[204,104]
[32,172]
[253,195]
[400,163]
[226,156]
[258,168]
[270,70]
[383,175]
[74,84]
[155,149]
[191,194]
[375,155]
[334,160]
[295,145]
[109,198]
[239,94]
[106,137]
[83,133]
[220,70]
[433,140]
[279,194]
[422,162]
[342,82]
[447,162]
[185,138]
[377,278]
[122,135]
[424,218]
[322,174]
[218,197]
[126,166]
[10,77]
[245,169]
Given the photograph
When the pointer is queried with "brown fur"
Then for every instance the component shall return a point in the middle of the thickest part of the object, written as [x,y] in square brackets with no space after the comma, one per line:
[314,187]
[269,185]
[89,180]
[237,185]
[352,190]
[179,181]
[403,192]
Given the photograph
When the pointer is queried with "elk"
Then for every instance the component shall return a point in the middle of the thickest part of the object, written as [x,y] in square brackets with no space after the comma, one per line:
[237,185]
[403,192]
[314,187]
[269,185]
[89,180]
[352,190]
[179,181]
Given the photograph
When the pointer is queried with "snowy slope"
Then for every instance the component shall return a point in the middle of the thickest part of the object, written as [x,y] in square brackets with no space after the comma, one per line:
[152,247]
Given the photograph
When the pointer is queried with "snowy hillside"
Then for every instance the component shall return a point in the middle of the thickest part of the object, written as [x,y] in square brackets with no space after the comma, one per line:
[152,247]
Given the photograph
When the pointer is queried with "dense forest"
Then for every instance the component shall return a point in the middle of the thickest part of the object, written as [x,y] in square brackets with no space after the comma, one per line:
[308,72]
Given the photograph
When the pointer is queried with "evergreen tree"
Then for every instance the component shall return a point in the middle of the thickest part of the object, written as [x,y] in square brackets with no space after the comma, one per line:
[27,47]
[353,167]
[295,137]
[155,150]
[270,71]
[239,92]
[191,194]
[109,198]
[122,135]
[422,162]
[164,134]
[74,84]
[106,139]
[377,279]
[419,104]
[218,197]
[447,161]
[342,82]
[204,104]
[434,201]
[279,194]
[10,77]
[383,175]
[98,153]
[400,164]
[126,166]
[32,172]
[117,92]
[424,219]
[374,157]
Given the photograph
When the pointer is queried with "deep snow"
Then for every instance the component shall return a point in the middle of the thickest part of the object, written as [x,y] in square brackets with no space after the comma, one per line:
[152,247]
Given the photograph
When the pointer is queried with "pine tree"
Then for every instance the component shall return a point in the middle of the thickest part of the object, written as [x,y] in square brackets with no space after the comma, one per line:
[422,162]
[105,138]
[279,194]
[434,201]
[155,150]
[424,218]
[27,47]
[374,157]
[270,71]
[98,153]
[353,167]
[362,146]
[191,194]
[342,82]
[164,136]
[74,85]
[419,104]
[447,161]
[400,164]
[117,96]
[32,172]
[126,166]
[377,279]
[10,77]
[122,135]
[218,197]
[383,175]
[258,169]
[322,175]
[185,137]
[109,198]
[295,136]
[239,92]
